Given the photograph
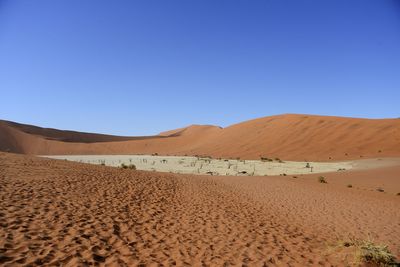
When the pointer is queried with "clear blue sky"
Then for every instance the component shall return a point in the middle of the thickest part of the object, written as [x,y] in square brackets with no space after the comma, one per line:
[141,67]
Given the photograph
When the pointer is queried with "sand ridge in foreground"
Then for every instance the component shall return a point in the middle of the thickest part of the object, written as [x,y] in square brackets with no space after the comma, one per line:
[57,212]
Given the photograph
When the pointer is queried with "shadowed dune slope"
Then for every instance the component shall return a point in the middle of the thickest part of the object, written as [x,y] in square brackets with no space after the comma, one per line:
[67,136]
[38,141]
[55,212]
[290,137]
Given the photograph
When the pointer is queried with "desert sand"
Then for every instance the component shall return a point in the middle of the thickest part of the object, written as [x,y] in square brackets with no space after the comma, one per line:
[288,137]
[67,213]
[249,212]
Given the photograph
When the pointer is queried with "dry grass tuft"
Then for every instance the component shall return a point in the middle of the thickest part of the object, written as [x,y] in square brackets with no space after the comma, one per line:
[130,166]
[367,252]
[322,180]
[376,254]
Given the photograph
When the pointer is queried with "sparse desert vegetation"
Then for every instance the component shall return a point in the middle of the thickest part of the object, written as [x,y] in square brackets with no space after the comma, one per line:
[128,166]
[264,159]
[376,254]
[203,165]
[322,180]
[368,252]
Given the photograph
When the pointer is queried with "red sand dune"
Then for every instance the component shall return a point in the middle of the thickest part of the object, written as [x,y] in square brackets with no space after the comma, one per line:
[54,212]
[290,137]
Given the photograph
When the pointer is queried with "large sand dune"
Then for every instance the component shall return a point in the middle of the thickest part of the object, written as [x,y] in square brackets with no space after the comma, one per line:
[289,137]
[54,212]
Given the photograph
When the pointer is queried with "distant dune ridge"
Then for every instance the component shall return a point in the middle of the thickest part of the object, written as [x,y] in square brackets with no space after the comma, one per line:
[288,136]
